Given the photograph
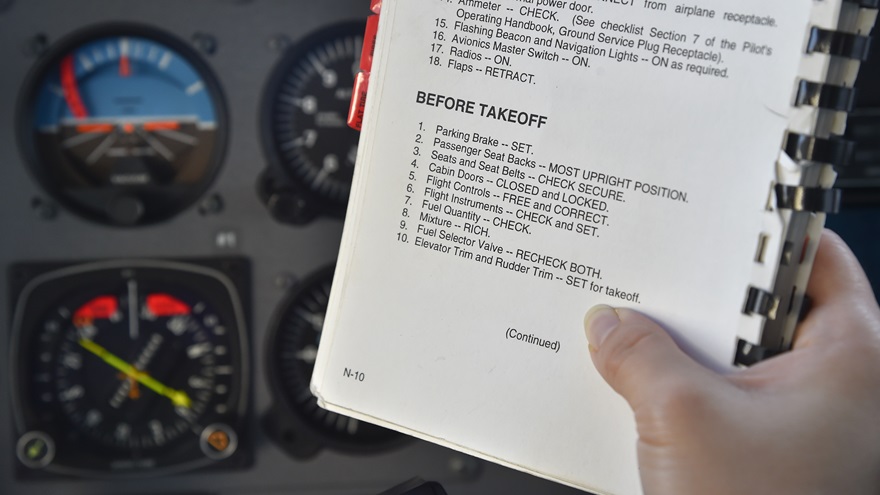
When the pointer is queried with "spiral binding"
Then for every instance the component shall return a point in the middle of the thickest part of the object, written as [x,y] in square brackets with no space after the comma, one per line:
[802,148]
[806,203]
[847,45]
[866,4]
[827,96]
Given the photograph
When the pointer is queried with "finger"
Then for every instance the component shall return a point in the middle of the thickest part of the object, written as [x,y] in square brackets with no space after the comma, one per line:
[836,272]
[838,290]
[636,356]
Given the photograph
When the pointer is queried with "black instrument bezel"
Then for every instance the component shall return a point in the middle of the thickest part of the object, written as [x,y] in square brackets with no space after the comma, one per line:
[168,201]
[290,426]
[279,176]
[36,288]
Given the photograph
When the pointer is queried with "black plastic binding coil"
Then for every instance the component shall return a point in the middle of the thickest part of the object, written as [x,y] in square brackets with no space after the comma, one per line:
[837,152]
[866,4]
[839,44]
[748,354]
[839,98]
[812,199]
[803,148]
[762,303]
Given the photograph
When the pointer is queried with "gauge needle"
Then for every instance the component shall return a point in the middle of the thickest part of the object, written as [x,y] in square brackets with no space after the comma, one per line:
[124,62]
[124,66]
[71,91]
[134,392]
[130,385]
[133,317]
[177,397]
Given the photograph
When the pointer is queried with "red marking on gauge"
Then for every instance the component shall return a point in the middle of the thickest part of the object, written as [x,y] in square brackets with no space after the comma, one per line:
[71,91]
[164,305]
[134,391]
[94,128]
[161,126]
[124,66]
[99,308]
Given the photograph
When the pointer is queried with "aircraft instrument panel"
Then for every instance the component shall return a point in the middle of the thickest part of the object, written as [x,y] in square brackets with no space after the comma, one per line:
[174,181]
[175,176]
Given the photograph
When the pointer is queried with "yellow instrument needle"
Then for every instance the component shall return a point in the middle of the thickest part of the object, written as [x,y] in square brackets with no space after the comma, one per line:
[177,397]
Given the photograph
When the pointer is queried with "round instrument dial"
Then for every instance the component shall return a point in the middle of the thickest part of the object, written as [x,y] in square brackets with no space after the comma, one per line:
[134,371]
[124,125]
[306,111]
[292,349]
[126,372]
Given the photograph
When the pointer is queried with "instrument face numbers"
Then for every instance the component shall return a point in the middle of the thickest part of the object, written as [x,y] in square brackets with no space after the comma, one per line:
[127,370]
[306,107]
[132,405]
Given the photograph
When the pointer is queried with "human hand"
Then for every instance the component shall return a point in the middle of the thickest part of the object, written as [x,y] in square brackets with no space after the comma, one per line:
[803,423]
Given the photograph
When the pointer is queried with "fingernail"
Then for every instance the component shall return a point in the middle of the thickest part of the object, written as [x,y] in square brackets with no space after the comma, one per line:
[600,321]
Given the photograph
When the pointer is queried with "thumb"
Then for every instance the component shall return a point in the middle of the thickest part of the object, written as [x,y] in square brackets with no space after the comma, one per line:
[637,357]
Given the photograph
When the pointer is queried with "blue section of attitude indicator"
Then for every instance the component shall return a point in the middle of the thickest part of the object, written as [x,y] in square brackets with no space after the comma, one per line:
[124,79]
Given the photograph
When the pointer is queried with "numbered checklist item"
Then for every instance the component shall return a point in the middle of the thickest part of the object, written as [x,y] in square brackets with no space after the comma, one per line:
[522,161]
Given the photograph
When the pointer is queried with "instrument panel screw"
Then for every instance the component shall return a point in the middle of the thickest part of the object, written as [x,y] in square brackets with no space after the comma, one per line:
[284,280]
[45,210]
[278,43]
[36,45]
[212,205]
[465,467]
[205,43]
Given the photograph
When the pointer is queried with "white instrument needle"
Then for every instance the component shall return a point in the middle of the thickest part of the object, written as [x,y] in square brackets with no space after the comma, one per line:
[133,317]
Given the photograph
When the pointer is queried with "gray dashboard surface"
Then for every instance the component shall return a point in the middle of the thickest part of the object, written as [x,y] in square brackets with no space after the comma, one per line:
[247,34]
